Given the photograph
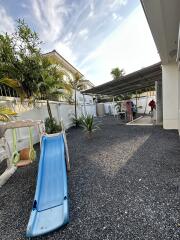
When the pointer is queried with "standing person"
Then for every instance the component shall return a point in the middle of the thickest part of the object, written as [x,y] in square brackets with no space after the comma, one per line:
[134,110]
[129,110]
[152,105]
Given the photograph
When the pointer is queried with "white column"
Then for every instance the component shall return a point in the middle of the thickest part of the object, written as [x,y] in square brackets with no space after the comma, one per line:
[179,101]
[159,104]
[170,79]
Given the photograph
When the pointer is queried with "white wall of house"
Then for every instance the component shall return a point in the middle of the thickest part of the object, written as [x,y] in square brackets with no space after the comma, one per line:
[164,18]
[171,93]
[179,100]
[87,98]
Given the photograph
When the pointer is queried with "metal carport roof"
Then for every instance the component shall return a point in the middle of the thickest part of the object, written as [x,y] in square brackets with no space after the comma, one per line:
[140,79]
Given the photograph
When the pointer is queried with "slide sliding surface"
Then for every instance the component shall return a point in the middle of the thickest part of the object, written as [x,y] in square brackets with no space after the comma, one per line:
[50,208]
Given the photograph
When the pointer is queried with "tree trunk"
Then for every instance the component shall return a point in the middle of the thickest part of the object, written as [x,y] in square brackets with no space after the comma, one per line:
[75,106]
[49,110]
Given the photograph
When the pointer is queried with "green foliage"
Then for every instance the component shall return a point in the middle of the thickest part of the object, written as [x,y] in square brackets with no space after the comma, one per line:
[89,124]
[12,83]
[117,73]
[52,126]
[124,96]
[77,84]
[77,121]
[52,85]
[118,106]
[6,114]
[69,98]
[21,62]
[144,90]
[20,57]
[51,81]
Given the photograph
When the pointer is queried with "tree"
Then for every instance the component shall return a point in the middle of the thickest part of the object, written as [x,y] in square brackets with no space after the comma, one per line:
[20,57]
[117,73]
[77,85]
[5,112]
[52,84]
[21,62]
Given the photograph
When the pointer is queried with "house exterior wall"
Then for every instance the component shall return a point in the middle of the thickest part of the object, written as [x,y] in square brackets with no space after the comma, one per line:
[171,93]
[179,100]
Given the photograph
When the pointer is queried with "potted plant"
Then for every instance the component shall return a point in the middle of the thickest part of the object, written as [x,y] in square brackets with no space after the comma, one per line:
[52,126]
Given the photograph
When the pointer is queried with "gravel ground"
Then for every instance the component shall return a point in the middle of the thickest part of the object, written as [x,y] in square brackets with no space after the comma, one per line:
[124,184]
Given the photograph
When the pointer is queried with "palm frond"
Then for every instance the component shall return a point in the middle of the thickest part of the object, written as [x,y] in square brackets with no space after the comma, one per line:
[6,114]
[14,84]
[10,82]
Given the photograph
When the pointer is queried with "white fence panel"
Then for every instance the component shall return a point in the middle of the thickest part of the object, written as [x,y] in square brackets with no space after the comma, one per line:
[110,108]
[89,109]
[60,110]
[142,103]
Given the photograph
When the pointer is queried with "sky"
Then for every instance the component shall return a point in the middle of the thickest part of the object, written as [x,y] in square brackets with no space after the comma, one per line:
[93,35]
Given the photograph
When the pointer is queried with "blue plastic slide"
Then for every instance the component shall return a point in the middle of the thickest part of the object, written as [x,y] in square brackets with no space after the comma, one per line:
[50,209]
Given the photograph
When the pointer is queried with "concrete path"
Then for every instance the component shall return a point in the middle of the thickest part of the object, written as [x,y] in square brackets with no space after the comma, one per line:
[142,121]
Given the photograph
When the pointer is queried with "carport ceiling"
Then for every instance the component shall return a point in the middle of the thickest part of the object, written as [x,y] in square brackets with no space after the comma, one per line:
[140,79]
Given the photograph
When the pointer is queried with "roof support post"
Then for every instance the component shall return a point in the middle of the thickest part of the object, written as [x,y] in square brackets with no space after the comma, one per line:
[159,104]
[136,100]
[113,107]
[84,105]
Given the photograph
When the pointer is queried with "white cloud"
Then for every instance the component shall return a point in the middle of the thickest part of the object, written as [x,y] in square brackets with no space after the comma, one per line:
[116,3]
[84,33]
[116,17]
[49,16]
[91,14]
[6,23]
[130,47]
[68,37]
[92,8]
[65,51]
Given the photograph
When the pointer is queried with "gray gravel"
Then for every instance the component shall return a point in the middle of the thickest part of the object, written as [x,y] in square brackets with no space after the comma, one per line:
[124,184]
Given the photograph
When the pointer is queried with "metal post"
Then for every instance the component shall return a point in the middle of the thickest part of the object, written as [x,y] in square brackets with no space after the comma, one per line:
[136,99]
[85,112]
[114,107]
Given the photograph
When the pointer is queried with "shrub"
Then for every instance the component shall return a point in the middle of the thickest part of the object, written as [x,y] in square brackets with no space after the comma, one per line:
[77,121]
[52,126]
[88,124]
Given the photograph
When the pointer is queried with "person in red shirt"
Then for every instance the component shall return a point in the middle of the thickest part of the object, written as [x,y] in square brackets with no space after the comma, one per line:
[152,105]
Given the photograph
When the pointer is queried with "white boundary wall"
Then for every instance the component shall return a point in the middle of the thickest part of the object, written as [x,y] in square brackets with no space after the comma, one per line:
[110,108]
[142,104]
[59,110]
